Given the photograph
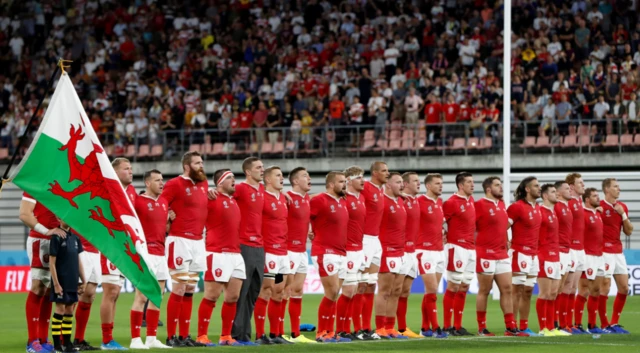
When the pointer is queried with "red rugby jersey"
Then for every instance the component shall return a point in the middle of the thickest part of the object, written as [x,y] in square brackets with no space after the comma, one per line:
[189,202]
[549,245]
[593,228]
[357,214]
[525,226]
[565,225]
[460,215]
[431,220]
[43,215]
[153,215]
[393,227]
[412,208]
[329,221]
[492,223]
[274,223]
[612,223]
[374,203]
[577,237]
[131,193]
[223,224]
[298,222]
[250,200]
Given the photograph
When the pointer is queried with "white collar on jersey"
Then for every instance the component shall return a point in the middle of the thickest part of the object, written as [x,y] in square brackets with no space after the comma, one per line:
[381,187]
[566,203]
[277,196]
[297,193]
[257,187]
[495,202]
[395,199]
[355,194]
[149,197]
[462,197]
[333,197]
[605,201]
[187,178]
[428,198]
[591,209]
[548,208]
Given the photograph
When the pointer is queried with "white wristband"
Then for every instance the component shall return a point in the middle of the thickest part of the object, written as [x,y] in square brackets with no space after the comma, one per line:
[41,229]
[624,217]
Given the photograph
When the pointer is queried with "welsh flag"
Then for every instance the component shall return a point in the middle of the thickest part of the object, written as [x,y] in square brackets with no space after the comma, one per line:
[67,170]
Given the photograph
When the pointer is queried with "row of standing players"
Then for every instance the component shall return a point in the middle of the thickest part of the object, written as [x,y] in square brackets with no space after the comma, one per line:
[364,234]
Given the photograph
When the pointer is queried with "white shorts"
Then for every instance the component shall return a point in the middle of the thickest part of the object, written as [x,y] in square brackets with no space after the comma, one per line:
[577,260]
[185,255]
[158,266]
[222,266]
[298,262]
[522,264]
[614,264]
[460,259]
[430,262]
[276,264]
[38,253]
[565,262]
[409,265]
[329,264]
[372,250]
[550,270]
[110,273]
[92,267]
[493,267]
[354,261]
[594,267]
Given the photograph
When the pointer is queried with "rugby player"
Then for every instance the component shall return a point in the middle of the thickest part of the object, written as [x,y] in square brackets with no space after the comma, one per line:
[565,231]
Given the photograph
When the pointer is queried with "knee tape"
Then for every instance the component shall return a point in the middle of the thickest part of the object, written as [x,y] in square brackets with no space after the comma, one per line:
[351,279]
[519,280]
[454,277]
[531,281]
[270,276]
[467,277]
[279,278]
[373,278]
[363,277]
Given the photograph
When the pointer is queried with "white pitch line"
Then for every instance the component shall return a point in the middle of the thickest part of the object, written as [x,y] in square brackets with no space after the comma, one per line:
[508,339]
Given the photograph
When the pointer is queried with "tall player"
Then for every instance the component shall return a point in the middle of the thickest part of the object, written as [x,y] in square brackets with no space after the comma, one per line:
[616,218]
[250,197]
[43,224]
[186,196]
[298,222]
[460,217]
[492,259]
[355,256]
[329,222]
[565,231]
[274,232]
[225,266]
[594,261]
[524,218]
[153,212]
[549,260]
[410,190]
[430,253]
[373,193]
[392,239]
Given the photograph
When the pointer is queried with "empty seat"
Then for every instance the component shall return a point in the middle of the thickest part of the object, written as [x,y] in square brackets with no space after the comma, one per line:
[611,140]
[529,141]
[156,151]
[407,134]
[458,144]
[486,143]
[4,153]
[394,135]
[543,142]
[569,141]
[473,143]
[267,147]
[195,148]
[143,151]
[394,145]
[217,149]
[278,147]
[130,151]
[584,140]
[108,150]
[369,135]
[626,140]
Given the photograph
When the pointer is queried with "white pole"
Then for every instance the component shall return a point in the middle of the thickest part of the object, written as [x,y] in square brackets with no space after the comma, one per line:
[506,115]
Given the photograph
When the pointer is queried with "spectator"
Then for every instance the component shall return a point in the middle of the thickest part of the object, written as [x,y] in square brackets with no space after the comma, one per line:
[615,116]
[381,122]
[633,114]
[413,104]
[306,134]
[273,123]
[260,122]
[549,115]
[532,114]
[563,114]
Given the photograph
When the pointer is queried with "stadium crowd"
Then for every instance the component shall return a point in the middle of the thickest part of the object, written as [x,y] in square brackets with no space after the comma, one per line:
[145,69]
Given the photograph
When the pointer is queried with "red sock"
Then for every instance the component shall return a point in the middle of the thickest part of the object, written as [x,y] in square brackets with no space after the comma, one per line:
[260,316]
[509,321]
[579,308]
[381,322]
[425,313]
[592,310]
[205,310]
[571,303]
[173,313]
[401,313]
[602,310]
[458,309]
[481,316]
[541,310]
[295,310]
[347,321]
[153,316]
[447,303]
[332,318]
[185,314]
[432,307]
[551,312]
[524,324]
[343,313]
[556,313]
[562,310]
[45,317]
[356,309]
[273,310]
[83,310]
[107,333]
[390,323]
[367,310]
[283,310]
[32,310]
[135,318]
[228,314]
[324,314]
[618,305]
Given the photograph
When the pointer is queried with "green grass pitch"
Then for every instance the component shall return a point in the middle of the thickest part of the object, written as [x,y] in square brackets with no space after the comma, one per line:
[13,331]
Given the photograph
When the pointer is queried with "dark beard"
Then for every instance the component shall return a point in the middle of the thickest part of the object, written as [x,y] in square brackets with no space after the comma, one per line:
[341,193]
[197,175]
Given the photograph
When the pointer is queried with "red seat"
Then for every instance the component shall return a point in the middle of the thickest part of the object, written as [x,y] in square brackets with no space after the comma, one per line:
[529,141]
[143,151]
[473,143]
[156,151]
[543,142]
[458,144]
[407,144]
[278,147]
[611,140]
[4,153]
[626,140]
[130,151]
[195,148]
[394,145]
[109,150]
[267,147]
[407,134]
[394,135]
[569,141]
[217,149]
[485,143]
[584,140]
[369,134]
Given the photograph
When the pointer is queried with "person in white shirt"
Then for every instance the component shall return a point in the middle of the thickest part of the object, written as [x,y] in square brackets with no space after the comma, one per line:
[467,52]
[375,102]
[391,55]
[16,43]
[554,47]
[559,82]
[548,116]
[601,108]
[398,77]
[413,104]
[376,65]
[304,39]
[633,114]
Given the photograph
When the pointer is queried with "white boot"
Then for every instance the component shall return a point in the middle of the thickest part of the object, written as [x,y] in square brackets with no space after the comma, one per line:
[152,342]
[136,343]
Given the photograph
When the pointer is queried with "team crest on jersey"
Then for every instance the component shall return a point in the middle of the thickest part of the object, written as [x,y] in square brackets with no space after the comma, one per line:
[330,267]
[591,219]
[606,267]
[45,258]
[188,191]
[409,205]
[132,197]
[350,265]
[291,264]
[218,272]
[458,264]
[491,213]
[150,205]
[296,204]
[564,212]
[530,215]
[550,219]
[430,210]
[353,206]
[523,265]
[273,206]
[427,266]
[485,264]
[375,197]
[392,264]
[178,261]
[590,271]
[608,213]
[225,204]
[112,267]
[202,189]
[272,265]
[575,206]
[462,208]
[333,208]
[392,209]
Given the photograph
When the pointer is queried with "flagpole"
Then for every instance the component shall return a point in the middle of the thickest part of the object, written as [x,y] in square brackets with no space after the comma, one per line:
[59,67]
